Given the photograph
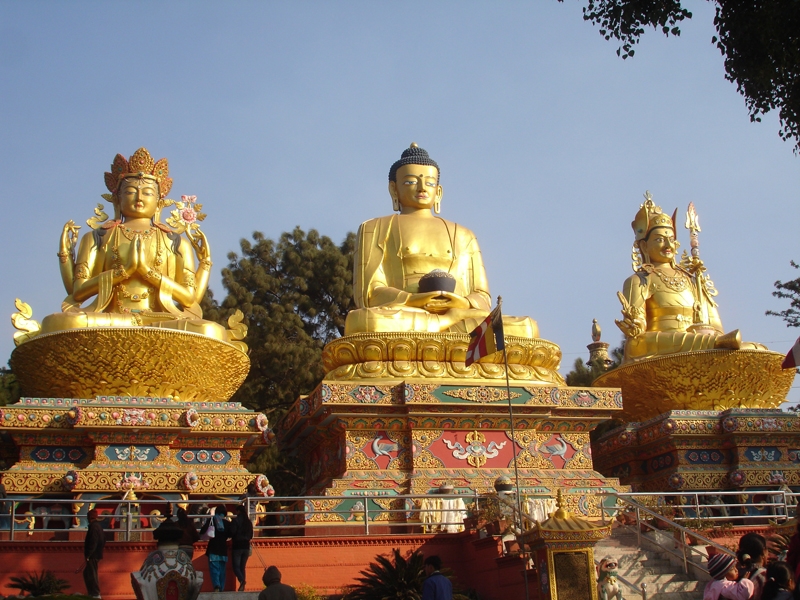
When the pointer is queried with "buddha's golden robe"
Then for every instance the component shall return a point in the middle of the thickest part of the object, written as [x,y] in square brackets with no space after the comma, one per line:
[392,256]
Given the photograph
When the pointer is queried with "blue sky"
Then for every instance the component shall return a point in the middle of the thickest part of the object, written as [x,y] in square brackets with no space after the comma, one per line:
[283,114]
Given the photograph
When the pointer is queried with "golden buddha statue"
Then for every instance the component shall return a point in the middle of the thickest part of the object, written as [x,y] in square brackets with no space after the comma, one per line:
[398,253]
[137,275]
[676,354]
[667,306]
[138,270]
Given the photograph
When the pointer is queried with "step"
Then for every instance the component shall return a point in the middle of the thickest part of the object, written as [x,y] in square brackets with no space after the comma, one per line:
[228,596]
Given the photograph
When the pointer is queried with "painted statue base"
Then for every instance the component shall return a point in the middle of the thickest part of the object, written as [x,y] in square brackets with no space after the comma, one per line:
[108,445]
[703,450]
[129,361]
[383,440]
[392,356]
[703,380]
[167,574]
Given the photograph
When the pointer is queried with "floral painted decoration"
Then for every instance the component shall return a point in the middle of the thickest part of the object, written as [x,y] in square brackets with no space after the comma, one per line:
[70,480]
[263,486]
[186,214]
[191,417]
[262,422]
[191,481]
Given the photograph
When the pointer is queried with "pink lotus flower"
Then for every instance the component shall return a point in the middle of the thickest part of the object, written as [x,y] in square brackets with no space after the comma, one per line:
[188,215]
[190,199]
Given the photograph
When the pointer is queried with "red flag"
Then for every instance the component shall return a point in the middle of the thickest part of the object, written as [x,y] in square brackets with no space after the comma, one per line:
[487,338]
[793,358]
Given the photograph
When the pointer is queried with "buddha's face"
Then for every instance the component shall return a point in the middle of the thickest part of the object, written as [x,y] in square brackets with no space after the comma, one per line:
[660,245]
[138,198]
[416,186]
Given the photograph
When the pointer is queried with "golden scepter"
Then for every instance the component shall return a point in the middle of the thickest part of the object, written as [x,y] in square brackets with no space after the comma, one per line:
[695,266]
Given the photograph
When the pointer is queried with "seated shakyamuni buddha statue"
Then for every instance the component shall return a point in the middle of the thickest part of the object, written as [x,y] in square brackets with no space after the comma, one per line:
[131,323]
[418,272]
[668,305]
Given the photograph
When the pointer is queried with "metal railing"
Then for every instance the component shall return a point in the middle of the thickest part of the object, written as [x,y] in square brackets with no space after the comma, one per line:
[276,516]
[680,533]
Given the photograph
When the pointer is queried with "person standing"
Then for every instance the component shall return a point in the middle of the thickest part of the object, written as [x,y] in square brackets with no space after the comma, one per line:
[241,534]
[93,552]
[275,590]
[217,550]
[189,536]
[436,586]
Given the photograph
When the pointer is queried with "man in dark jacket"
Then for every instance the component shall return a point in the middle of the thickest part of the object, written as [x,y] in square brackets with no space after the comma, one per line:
[436,586]
[93,552]
[241,534]
[275,589]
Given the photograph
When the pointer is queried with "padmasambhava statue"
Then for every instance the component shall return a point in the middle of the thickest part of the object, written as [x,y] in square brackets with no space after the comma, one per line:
[420,287]
[136,273]
[666,306]
[677,356]
[416,271]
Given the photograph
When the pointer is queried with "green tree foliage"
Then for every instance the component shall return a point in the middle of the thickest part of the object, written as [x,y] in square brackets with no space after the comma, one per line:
[760,41]
[791,291]
[9,387]
[295,295]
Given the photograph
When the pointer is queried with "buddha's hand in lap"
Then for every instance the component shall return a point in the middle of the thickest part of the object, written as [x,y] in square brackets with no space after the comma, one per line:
[437,302]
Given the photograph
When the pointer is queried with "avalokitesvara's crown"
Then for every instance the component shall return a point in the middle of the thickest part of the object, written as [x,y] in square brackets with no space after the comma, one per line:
[141,164]
[649,217]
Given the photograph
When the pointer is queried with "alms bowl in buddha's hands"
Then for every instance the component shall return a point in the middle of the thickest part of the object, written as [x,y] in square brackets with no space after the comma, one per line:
[437,281]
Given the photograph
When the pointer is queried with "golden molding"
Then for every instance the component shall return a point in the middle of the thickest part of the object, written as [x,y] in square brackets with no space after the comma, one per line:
[437,356]
[129,361]
[703,380]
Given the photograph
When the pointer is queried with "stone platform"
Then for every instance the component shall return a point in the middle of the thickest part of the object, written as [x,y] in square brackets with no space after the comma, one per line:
[379,439]
[704,450]
[112,444]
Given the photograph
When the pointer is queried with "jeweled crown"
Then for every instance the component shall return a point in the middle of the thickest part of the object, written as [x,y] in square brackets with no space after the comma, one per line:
[649,217]
[141,164]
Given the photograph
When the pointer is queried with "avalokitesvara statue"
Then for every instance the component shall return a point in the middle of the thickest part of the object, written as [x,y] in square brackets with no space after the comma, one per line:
[132,275]
[677,355]
[127,389]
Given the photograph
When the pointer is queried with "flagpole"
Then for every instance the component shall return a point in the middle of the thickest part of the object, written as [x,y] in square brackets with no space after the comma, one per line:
[520,538]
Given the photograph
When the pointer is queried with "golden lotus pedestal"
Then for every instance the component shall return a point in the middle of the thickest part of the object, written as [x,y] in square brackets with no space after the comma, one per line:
[371,433]
[110,410]
[703,380]
[703,421]
[129,361]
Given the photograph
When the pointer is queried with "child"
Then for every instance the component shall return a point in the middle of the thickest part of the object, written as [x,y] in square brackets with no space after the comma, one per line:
[779,583]
[722,568]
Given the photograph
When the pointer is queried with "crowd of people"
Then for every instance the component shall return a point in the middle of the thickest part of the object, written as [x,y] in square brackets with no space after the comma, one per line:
[748,575]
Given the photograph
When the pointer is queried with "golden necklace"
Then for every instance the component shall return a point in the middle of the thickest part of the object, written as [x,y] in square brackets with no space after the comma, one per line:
[135,234]
[678,282]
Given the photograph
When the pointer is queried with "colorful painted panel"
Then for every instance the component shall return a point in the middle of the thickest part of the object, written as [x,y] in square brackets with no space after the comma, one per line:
[705,457]
[459,449]
[131,453]
[204,456]
[764,454]
[58,454]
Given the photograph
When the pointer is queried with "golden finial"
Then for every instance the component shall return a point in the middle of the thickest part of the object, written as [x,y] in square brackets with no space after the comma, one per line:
[562,512]
[413,145]
[596,331]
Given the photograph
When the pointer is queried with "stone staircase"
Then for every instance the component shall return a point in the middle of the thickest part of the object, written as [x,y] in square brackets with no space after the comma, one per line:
[651,564]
